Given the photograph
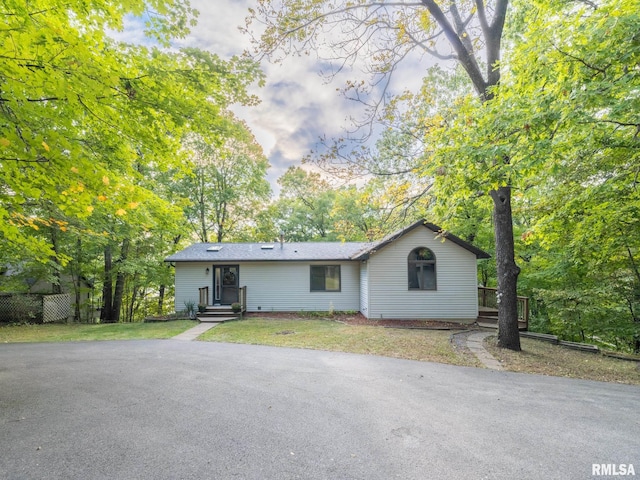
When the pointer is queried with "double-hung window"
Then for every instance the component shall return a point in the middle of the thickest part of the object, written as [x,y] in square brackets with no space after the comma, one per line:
[325,278]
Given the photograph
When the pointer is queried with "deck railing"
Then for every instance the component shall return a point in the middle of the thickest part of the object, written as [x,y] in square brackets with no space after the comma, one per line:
[242,298]
[487,297]
[203,296]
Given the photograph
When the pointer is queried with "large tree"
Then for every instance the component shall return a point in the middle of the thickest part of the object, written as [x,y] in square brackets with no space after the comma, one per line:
[226,187]
[89,125]
[572,98]
[382,34]
[566,117]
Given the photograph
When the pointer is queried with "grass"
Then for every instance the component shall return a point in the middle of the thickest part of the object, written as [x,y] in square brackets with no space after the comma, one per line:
[423,345]
[548,359]
[322,334]
[77,332]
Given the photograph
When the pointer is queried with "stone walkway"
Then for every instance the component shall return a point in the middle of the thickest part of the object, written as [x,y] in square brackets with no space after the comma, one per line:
[474,343]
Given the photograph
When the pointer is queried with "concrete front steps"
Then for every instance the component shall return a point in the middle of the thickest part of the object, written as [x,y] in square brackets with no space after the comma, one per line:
[217,314]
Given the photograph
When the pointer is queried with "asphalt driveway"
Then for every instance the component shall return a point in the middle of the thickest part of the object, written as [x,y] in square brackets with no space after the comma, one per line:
[167,409]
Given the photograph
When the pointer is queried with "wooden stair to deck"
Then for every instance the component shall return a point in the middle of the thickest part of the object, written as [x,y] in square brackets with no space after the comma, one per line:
[217,314]
[488,317]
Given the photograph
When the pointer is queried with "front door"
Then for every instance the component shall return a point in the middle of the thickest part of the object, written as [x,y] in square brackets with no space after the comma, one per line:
[225,284]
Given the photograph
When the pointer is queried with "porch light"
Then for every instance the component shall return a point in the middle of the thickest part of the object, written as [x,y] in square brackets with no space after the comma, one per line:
[207,270]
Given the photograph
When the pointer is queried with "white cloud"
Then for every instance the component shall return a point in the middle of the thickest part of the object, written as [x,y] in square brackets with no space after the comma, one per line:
[297,105]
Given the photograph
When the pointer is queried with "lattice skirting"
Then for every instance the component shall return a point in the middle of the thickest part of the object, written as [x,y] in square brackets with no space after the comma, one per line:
[35,308]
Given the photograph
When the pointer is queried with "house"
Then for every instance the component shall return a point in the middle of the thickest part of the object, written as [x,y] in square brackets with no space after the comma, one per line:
[419,272]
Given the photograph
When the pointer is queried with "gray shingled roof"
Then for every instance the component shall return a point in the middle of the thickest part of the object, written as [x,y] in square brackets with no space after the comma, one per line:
[253,252]
[306,251]
[434,228]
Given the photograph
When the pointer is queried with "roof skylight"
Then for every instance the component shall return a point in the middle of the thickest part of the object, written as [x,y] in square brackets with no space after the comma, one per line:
[215,248]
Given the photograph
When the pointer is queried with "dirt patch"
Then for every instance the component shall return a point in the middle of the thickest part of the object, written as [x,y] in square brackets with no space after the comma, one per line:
[285,332]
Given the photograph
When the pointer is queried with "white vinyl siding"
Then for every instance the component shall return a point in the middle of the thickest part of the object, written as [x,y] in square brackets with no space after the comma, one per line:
[389,296]
[364,289]
[276,286]
[285,287]
[190,277]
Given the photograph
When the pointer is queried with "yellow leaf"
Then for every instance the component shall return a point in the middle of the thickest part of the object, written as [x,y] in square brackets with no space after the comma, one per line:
[105,180]
[102,198]
[5,142]
[133,205]
[89,209]
[121,211]
[74,170]
[46,147]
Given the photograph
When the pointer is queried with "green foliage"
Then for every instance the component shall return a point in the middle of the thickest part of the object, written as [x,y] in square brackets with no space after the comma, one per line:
[561,130]
[190,308]
[226,185]
[586,204]
[311,209]
[91,133]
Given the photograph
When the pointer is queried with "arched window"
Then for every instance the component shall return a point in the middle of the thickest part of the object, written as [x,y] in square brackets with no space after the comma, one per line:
[422,269]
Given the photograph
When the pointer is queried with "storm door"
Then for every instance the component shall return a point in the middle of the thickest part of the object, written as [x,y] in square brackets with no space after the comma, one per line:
[225,284]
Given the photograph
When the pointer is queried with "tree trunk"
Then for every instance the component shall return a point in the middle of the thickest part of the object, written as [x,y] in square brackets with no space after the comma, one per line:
[161,299]
[134,296]
[120,280]
[107,288]
[76,277]
[202,210]
[507,270]
[56,286]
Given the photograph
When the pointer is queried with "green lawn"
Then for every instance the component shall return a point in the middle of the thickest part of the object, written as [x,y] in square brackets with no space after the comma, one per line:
[77,332]
[423,345]
[325,334]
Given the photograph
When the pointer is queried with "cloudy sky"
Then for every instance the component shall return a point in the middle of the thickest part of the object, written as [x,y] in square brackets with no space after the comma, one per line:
[297,105]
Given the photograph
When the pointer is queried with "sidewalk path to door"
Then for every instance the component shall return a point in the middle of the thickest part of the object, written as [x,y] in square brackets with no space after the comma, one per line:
[195,332]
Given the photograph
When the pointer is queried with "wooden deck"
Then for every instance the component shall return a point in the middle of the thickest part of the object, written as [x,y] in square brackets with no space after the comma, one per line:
[488,317]
[488,311]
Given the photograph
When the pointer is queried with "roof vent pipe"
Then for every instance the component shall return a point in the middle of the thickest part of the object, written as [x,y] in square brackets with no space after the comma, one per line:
[281,239]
